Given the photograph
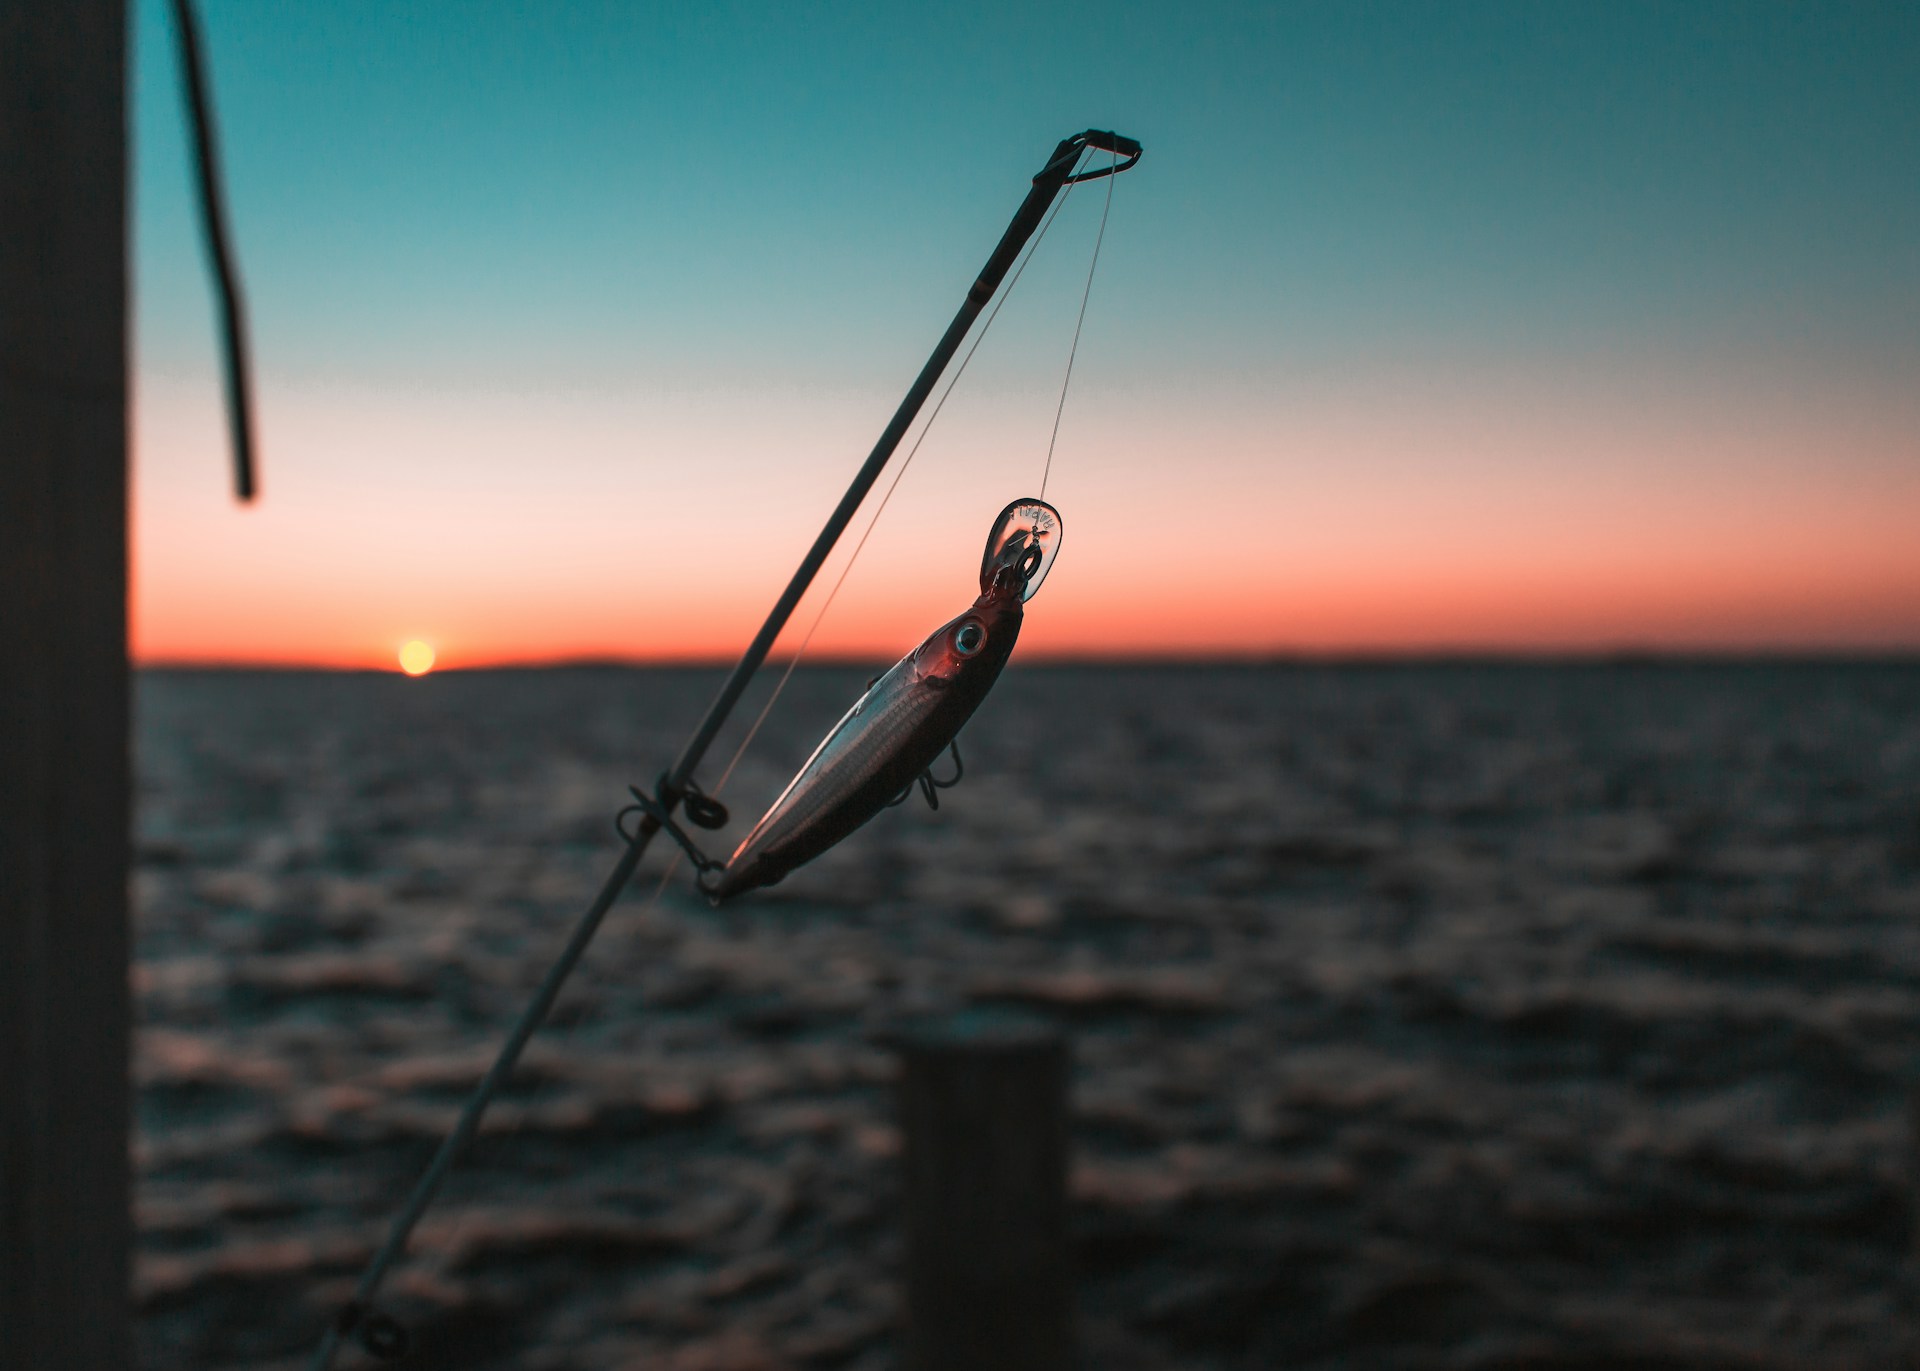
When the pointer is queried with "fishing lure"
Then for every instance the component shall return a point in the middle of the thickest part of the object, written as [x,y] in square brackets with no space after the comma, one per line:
[896,731]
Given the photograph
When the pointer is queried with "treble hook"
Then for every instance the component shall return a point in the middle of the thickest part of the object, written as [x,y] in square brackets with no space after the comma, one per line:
[929,785]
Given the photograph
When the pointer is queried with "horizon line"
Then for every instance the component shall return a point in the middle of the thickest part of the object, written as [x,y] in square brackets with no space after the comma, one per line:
[1411,657]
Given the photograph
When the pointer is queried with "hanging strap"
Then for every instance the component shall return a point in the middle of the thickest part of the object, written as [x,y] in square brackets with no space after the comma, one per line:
[213,219]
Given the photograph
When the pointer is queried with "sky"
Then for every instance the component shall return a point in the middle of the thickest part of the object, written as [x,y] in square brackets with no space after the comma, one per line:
[1418,328]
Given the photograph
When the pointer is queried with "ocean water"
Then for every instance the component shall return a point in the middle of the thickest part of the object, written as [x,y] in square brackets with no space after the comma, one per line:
[1457,1016]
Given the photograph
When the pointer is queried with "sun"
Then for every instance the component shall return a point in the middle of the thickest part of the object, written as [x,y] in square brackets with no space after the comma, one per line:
[416,658]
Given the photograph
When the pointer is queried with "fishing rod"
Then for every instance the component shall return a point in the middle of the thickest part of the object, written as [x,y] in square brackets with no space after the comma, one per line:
[379,1333]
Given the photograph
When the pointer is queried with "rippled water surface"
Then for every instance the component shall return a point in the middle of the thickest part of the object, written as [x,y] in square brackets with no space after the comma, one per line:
[1423,1017]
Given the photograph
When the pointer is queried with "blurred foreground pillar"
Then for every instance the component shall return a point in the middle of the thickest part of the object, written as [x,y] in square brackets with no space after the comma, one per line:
[983,1106]
[64,1227]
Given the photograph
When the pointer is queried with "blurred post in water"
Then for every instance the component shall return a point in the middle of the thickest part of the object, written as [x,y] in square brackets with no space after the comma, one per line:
[983,1111]
[63,687]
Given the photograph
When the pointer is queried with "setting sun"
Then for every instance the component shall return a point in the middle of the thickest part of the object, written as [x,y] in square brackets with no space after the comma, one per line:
[416,658]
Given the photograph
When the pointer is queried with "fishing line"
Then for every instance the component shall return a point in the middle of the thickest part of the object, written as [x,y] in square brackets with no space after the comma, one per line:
[1067,379]
[881,508]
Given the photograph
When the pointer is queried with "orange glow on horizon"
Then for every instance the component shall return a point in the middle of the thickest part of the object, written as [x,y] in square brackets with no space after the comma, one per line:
[1392,610]
[1318,524]
[1830,595]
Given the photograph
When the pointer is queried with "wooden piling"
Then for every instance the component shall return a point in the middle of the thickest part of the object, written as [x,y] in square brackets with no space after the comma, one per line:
[64,1228]
[989,1269]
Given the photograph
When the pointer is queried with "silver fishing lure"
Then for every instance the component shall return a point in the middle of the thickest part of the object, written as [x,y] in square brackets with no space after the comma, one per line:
[897,730]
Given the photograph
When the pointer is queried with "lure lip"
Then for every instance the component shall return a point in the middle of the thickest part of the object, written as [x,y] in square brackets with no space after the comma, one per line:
[1009,544]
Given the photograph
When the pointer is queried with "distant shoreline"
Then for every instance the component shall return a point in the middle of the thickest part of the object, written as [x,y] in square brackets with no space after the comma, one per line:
[1386,660]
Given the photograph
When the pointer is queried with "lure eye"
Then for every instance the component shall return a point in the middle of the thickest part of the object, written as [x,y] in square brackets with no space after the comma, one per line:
[969,640]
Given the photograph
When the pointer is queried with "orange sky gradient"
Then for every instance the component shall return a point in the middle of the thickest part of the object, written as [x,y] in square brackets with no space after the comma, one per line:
[1425,510]
[1417,329]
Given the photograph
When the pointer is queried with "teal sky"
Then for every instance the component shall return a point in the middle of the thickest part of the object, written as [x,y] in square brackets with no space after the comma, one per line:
[1639,204]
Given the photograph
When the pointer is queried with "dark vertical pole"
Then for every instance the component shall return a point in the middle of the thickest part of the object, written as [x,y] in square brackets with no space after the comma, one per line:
[983,1108]
[64,1227]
